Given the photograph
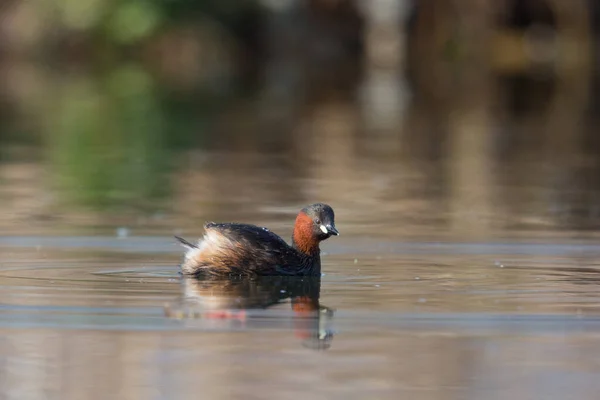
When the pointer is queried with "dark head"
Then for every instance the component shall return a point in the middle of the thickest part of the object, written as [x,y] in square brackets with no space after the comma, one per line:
[314,224]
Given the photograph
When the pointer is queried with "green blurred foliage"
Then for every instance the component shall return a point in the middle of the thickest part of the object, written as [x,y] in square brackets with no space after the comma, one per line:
[133,20]
[114,139]
[129,21]
[81,15]
[108,146]
[113,132]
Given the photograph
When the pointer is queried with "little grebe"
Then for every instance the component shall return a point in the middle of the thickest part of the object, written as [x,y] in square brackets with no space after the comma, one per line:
[242,249]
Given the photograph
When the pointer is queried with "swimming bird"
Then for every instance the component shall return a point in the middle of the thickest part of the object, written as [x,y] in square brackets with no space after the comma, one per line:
[250,250]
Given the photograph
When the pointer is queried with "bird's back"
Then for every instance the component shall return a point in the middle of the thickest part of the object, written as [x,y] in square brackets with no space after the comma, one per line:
[243,249]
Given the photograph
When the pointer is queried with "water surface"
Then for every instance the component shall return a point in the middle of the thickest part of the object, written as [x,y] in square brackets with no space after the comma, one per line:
[426,320]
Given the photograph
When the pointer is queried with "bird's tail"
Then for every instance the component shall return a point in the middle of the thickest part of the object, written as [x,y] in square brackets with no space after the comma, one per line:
[185,243]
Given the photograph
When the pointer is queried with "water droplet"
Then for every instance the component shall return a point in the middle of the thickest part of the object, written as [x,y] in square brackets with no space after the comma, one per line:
[122,232]
[417,278]
[355,260]
[377,285]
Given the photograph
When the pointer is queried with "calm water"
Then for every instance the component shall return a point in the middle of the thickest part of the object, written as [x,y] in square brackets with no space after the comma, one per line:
[467,267]
[425,320]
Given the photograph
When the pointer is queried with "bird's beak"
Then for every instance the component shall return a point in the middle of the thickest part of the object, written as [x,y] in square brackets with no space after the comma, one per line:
[331,230]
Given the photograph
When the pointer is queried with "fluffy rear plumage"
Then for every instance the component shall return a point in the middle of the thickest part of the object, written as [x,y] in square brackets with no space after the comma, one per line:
[241,249]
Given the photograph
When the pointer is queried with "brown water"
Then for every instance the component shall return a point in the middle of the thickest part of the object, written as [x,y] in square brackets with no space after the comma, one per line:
[101,317]
[467,266]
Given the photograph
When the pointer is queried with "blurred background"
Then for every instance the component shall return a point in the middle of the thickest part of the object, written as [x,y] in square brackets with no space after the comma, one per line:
[413,118]
[420,121]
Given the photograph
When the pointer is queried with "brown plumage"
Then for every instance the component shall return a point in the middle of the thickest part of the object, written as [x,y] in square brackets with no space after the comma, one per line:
[243,249]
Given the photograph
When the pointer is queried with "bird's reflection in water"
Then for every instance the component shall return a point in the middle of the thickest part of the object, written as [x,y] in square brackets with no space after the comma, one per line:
[235,299]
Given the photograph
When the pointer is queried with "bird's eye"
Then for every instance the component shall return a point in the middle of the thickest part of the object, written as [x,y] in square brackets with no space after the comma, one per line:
[317,221]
